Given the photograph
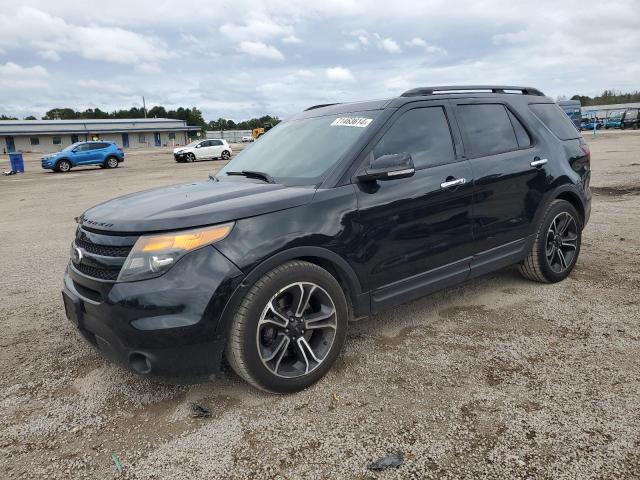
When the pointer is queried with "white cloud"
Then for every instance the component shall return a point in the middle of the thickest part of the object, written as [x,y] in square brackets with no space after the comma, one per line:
[339,74]
[417,42]
[256,27]
[50,55]
[291,39]
[259,49]
[390,45]
[13,74]
[54,35]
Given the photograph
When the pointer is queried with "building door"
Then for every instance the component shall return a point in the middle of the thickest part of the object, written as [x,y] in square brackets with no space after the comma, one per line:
[11,146]
[74,138]
[125,140]
[156,138]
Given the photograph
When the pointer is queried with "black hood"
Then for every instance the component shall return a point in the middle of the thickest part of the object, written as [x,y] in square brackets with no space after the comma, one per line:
[192,205]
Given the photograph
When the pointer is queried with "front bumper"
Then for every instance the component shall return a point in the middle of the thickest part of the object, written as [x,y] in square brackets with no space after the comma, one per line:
[167,325]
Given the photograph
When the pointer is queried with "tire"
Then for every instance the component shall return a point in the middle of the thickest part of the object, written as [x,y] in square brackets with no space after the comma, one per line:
[544,262]
[274,358]
[111,162]
[63,166]
[189,158]
[225,155]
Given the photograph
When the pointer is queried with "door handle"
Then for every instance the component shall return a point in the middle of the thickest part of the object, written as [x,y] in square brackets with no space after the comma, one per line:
[539,162]
[453,183]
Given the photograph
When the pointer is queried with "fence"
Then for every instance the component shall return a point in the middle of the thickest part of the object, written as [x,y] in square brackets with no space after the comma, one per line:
[231,136]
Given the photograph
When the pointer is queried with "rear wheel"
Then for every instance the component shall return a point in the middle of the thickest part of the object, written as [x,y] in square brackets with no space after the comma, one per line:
[289,328]
[226,155]
[112,162]
[557,245]
[63,166]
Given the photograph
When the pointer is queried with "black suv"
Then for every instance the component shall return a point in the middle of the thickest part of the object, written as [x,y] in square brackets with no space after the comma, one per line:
[335,214]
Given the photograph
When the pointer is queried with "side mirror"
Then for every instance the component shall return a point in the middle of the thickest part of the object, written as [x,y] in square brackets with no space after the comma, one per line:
[388,167]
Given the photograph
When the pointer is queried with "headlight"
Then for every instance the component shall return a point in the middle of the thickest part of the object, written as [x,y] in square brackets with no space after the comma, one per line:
[153,255]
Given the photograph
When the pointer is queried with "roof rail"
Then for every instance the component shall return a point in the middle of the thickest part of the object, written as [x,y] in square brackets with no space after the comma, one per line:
[320,106]
[418,92]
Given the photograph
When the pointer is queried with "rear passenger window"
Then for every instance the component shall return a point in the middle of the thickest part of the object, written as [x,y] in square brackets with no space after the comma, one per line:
[556,120]
[487,129]
[423,133]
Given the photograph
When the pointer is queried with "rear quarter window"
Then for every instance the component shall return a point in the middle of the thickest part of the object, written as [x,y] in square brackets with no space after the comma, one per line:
[487,129]
[555,119]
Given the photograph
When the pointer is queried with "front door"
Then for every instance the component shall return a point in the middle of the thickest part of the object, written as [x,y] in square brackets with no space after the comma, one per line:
[416,231]
[156,139]
[11,146]
[508,189]
[125,140]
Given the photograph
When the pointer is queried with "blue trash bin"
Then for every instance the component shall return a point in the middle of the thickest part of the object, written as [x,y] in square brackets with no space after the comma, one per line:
[17,162]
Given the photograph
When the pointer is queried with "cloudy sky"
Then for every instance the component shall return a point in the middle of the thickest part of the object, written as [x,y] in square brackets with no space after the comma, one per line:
[237,59]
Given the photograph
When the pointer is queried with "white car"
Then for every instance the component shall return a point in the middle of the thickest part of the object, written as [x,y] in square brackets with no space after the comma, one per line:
[247,138]
[203,150]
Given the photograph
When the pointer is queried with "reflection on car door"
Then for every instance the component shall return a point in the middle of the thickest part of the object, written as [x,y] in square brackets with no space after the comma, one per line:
[416,229]
[508,185]
[204,150]
[216,149]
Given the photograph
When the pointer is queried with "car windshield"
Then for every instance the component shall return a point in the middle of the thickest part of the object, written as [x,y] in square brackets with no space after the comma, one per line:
[302,152]
[193,144]
[71,147]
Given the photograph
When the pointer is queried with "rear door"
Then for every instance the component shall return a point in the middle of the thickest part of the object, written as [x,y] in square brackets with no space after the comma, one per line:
[509,177]
[216,148]
[416,231]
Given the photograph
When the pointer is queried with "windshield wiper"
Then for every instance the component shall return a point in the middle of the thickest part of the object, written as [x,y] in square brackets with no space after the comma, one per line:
[254,174]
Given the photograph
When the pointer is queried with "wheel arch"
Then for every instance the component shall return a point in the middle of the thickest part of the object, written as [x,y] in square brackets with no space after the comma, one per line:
[574,199]
[337,266]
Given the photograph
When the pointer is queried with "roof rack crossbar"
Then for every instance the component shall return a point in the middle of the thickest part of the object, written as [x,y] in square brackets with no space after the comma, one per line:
[421,91]
[313,107]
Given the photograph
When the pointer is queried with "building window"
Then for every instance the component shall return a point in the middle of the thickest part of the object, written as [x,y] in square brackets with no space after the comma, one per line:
[142,138]
[35,141]
[172,136]
[57,140]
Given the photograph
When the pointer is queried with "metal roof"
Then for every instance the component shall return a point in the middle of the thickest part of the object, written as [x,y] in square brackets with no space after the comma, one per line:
[58,127]
[88,120]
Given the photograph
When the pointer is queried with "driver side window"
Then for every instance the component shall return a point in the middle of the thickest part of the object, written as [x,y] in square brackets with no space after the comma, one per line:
[423,133]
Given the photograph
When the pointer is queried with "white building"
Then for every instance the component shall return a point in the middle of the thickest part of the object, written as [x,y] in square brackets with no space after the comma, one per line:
[52,135]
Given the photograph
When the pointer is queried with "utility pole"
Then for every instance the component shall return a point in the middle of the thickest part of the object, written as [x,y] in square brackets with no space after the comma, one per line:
[144,107]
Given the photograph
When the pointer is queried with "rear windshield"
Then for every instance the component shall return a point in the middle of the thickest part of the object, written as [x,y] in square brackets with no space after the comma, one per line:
[556,120]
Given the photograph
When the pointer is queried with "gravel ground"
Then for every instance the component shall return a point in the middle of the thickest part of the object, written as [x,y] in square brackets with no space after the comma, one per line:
[498,378]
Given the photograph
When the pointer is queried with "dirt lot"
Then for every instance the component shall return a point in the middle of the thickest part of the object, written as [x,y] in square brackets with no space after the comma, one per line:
[499,378]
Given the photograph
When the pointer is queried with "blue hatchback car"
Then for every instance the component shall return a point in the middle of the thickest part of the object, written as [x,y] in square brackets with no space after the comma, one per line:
[104,154]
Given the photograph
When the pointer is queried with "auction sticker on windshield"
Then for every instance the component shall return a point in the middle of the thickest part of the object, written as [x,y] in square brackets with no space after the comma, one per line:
[351,122]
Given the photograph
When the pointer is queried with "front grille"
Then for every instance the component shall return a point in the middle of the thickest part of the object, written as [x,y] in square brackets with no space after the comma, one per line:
[104,250]
[103,255]
[101,273]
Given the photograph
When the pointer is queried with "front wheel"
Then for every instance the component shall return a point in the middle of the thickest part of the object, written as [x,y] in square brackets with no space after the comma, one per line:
[289,328]
[557,245]
[190,157]
[63,166]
